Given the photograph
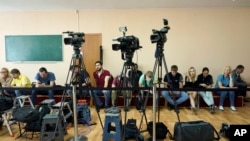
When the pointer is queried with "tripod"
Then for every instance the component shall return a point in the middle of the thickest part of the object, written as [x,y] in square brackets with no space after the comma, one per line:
[159,62]
[126,82]
[76,79]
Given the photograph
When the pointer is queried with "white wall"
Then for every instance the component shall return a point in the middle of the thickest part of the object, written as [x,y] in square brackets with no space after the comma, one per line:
[212,37]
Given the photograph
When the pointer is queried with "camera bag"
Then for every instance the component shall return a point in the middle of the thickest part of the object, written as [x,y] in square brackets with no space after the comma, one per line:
[194,131]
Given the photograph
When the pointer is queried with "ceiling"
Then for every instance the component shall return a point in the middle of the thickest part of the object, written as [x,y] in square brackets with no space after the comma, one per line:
[59,5]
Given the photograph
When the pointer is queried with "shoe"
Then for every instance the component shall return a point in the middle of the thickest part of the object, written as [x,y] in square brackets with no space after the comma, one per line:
[212,109]
[170,107]
[233,108]
[194,109]
[221,108]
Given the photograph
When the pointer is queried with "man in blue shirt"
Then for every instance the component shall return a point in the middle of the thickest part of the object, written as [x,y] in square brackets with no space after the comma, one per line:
[44,79]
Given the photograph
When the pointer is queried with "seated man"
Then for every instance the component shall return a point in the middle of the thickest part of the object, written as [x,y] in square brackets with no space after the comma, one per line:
[81,80]
[118,82]
[239,82]
[103,80]
[44,79]
[21,81]
[176,81]
[134,74]
[146,80]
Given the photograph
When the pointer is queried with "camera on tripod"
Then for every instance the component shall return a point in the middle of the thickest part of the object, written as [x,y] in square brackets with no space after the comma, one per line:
[128,44]
[160,35]
[76,39]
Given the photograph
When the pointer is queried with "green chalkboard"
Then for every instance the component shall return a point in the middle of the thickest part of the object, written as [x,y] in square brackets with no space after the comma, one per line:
[33,48]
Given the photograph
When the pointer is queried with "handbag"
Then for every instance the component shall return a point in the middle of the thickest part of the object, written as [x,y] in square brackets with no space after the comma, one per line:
[195,131]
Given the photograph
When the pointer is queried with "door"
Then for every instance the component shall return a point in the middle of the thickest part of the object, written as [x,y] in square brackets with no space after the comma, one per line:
[91,51]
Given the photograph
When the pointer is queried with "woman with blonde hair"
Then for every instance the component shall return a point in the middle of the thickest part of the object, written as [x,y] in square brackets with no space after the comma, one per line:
[190,82]
[225,81]
[5,78]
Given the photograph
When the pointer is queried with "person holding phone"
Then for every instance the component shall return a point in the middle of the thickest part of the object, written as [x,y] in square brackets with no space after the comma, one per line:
[43,79]
[225,81]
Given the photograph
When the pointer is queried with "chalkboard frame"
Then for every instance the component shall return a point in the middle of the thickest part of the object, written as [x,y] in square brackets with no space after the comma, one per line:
[19,48]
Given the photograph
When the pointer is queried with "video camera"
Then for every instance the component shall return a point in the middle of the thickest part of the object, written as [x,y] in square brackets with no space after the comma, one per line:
[160,35]
[128,44]
[76,39]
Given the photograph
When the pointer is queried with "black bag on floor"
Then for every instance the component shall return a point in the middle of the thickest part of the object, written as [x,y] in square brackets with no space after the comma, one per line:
[131,130]
[36,125]
[161,130]
[194,131]
[6,102]
[225,130]
[25,114]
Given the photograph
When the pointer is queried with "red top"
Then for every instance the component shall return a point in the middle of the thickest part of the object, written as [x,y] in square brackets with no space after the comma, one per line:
[100,80]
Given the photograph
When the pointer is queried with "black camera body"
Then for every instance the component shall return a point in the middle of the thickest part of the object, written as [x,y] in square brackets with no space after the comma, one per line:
[76,40]
[160,35]
[128,45]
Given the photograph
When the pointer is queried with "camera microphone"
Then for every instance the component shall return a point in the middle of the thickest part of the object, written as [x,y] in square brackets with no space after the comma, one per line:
[115,39]
[67,32]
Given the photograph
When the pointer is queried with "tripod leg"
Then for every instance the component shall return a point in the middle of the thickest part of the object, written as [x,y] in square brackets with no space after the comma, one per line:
[143,112]
[96,106]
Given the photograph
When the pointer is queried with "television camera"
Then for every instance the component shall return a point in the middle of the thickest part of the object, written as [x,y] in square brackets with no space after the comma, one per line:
[160,35]
[128,45]
[76,39]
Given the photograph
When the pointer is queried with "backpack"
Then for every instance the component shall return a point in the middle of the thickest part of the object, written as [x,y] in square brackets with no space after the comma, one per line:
[161,130]
[42,110]
[225,130]
[131,130]
[25,114]
[6,103]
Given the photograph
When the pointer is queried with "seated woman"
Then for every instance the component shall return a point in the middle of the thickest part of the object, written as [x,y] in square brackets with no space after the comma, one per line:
[190,82]
[5,80]
[225,81]
[205,80]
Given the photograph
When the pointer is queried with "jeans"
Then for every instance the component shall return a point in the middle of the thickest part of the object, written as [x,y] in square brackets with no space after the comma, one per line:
[78,95]
[34,93]
[180,98]
[21,92]
[207,96]
[223,95]
[97,100]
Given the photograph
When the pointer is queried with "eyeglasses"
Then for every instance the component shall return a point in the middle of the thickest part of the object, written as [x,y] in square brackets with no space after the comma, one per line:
[3,72]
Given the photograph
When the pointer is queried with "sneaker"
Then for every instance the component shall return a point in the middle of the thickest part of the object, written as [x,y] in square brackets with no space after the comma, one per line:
[221,108]
[233,108]
[170,107]
[194,109]
[212,109]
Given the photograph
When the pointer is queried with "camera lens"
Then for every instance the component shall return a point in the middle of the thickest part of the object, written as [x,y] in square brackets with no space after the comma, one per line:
[67,41]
